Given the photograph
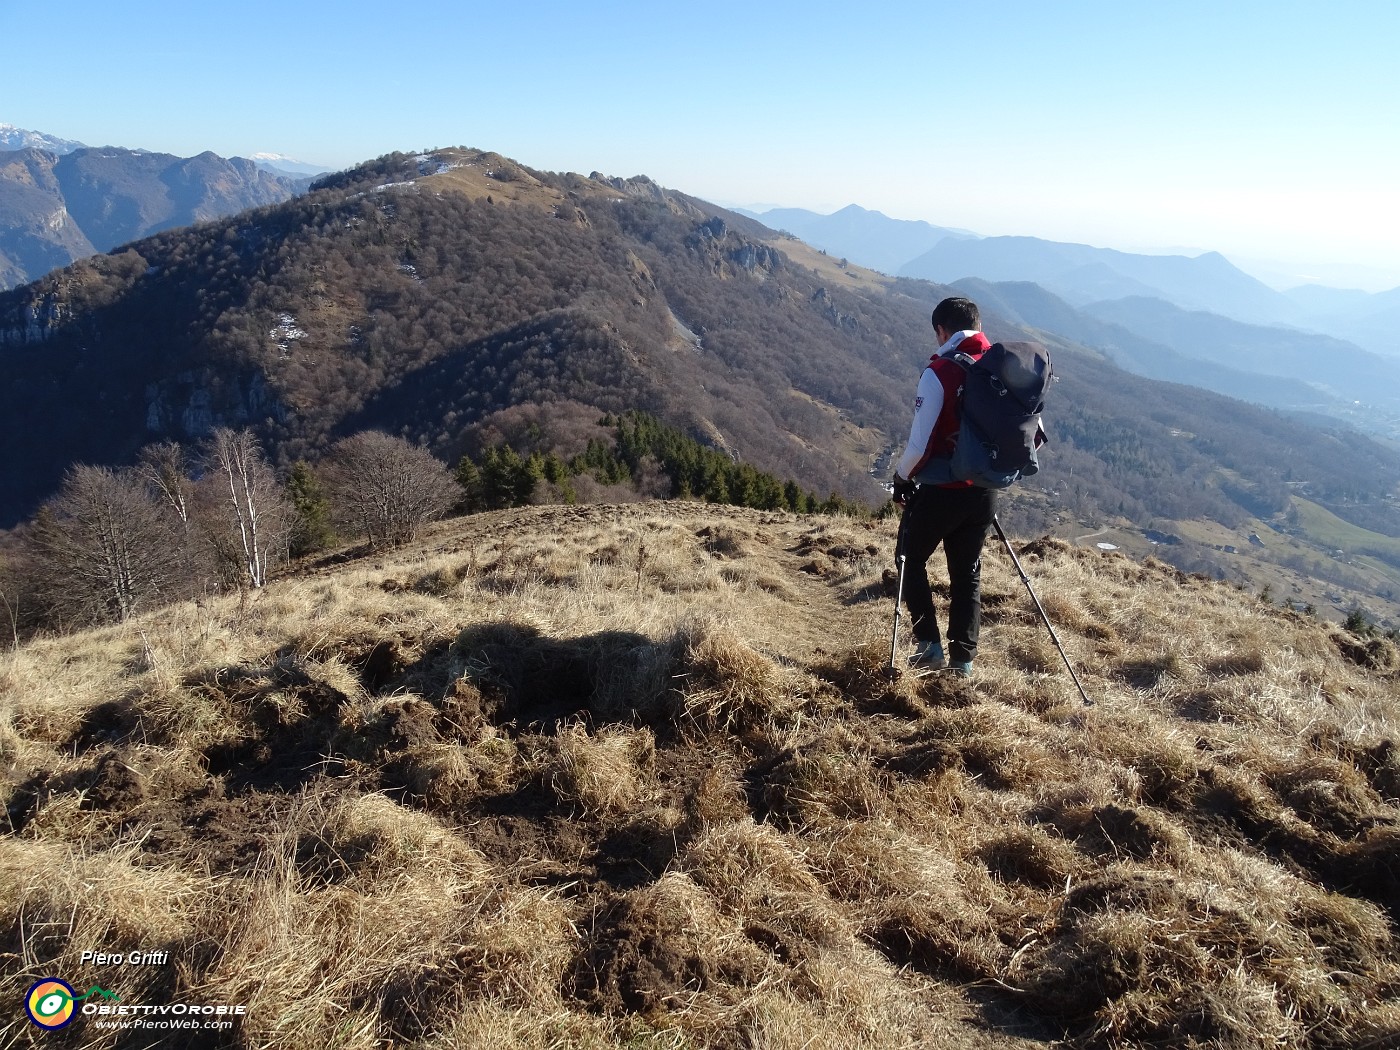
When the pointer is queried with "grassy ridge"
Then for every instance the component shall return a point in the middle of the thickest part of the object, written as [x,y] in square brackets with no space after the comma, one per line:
[633,776]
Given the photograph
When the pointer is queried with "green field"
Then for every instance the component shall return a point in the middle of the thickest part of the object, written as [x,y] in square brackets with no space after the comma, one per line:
[1324,527]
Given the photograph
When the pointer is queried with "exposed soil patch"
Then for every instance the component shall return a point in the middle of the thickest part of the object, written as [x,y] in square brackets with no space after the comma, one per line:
[545,848]
[229,835]
[1376,654]
[1330,796]
[1379,762]
[528,681]
[112,722]
[1032,857]
[644,957]
[1114,830]
[273,762]
[1007,607]
[115,785]
[381,664]
[951,947]
[286,720]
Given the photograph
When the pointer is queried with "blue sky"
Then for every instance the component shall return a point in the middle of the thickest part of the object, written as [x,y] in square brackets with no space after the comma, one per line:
[1262,130]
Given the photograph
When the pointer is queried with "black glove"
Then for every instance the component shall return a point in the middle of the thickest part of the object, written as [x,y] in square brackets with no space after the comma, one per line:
[903,489]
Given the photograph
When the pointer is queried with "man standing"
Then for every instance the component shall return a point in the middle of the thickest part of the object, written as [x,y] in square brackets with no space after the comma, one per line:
[956,514]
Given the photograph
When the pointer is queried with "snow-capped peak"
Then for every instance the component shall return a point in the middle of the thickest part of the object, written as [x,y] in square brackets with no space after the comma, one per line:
[283,163]
[13,138]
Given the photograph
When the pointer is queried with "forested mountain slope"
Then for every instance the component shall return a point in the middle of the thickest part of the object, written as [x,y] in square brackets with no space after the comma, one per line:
[523,286]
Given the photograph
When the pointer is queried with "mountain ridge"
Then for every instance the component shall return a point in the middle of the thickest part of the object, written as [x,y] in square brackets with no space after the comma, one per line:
[1135,350]
[56,208]
[868,237]
[13,138]
[1323,361]
[1081,273]
[1279,367]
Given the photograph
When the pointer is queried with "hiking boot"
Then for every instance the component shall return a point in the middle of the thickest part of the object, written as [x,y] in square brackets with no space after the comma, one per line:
[928,656]
[963,670]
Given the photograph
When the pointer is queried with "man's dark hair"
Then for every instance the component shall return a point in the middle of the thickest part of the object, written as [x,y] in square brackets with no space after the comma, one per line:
[957,315]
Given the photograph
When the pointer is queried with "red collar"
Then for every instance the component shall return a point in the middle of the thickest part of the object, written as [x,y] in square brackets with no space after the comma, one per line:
[974,346]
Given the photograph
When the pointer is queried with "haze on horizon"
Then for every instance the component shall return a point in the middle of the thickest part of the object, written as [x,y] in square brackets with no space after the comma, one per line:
[1255,129]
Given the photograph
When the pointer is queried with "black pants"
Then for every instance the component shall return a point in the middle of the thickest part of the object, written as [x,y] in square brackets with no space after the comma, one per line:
[958,519]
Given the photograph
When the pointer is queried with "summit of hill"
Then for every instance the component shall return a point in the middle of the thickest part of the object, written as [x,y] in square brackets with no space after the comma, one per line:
[634,775]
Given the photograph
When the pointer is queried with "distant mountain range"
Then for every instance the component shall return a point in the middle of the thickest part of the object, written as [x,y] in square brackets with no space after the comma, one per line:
[866,237]
[280,165]
[1324,363]
[1079,274]
[1279,367]
[1371,320]
[61,201]
[1143,354]
[13,138]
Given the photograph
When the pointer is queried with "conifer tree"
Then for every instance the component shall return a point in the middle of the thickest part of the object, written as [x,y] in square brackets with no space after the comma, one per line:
[716,489]
[469,479]
[312,529]
[505,481]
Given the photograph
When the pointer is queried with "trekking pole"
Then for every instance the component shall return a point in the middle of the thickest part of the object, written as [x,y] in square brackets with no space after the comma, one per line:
[892,671]
[1038,608]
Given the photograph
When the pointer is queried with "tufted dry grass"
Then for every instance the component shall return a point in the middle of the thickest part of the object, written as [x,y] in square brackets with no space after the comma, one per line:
[636,776]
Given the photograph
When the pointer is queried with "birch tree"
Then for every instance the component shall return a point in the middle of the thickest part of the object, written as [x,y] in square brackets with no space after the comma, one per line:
[165,468]
[249,528]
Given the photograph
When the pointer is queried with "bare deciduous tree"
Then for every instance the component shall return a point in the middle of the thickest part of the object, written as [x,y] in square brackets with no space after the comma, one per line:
[165,468]
[251,524]
[17,585]
[103,547]
[388,488]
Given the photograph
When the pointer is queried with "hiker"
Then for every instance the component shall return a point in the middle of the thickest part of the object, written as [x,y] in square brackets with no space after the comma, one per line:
[956,514]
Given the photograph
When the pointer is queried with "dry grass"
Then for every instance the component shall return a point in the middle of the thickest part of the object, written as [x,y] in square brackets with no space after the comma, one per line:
[635,776]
